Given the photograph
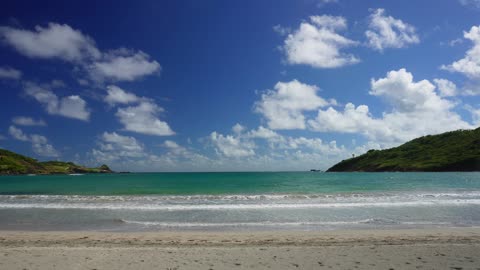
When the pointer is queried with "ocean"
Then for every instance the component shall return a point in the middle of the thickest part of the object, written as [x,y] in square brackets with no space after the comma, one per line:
[239,201]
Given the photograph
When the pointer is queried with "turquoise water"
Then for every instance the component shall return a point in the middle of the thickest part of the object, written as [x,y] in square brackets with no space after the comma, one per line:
[235,183]
[239,201]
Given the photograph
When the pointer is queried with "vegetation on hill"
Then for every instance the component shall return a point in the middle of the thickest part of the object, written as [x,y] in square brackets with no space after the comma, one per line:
[13,163]
[451,151]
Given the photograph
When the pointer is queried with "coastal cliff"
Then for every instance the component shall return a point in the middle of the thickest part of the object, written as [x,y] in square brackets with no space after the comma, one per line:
[12,163]
[451,151]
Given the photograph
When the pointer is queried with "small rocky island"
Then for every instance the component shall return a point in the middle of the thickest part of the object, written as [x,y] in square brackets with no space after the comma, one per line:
[451,151]
[12,164]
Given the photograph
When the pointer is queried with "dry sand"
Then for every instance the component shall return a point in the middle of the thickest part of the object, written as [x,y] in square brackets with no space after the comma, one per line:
[380,249]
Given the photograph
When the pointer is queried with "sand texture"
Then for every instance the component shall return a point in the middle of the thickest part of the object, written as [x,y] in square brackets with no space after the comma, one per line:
[380,249]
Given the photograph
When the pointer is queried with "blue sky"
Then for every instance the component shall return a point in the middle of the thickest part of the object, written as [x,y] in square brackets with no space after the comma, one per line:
[233,85]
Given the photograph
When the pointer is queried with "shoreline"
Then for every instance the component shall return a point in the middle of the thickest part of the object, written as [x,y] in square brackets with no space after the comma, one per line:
[459,235]
[452,248]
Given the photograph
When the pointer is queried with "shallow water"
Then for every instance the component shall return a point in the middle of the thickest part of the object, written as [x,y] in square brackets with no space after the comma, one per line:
[240,201]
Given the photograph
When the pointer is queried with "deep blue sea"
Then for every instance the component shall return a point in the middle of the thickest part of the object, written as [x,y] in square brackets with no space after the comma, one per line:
[239,201]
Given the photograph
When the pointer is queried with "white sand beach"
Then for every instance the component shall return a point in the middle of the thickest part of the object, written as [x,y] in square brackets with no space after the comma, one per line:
[455,248]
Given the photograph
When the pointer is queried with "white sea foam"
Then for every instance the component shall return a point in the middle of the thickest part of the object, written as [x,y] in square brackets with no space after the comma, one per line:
[277,224]
[240,202]
[249,197]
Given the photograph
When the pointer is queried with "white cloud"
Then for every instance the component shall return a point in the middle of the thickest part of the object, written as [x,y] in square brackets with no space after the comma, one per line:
[171,144]
[314,145]
[474,3]
[40,143]
[322,3]
[238,128]
[263,133]
[475,112]
[57,84]
[405,95]
[54,41]
[10,73]
[121,146]
[74,107]
[116,95]
[351,120]
[18,134]
[282,31]
[283,107]
[416,111]
[388,32]
[41,146]
[446,87]
[232,146]
[116,147]
[265,149]
[317,43]
[142,114]
[182,154]
[143,118]
[28,121]
[69,106]
[123,65]
[470,64]
[127,153]
[60,41]
[455,42]
[236,151]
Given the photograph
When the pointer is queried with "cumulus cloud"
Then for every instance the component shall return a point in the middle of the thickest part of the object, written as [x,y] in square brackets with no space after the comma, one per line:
[70,106]
[178,153]
[171,145]
[40,144]
[115,147]
[28,121]
[351,120]
[475,112]
[232,146]
[123,65]
[405,95]
[387,32]
[61,41]
[283,31]
[263,133]
[446,87]
[54,41]
[126,152]
[18,134]
[283,107]
[318,44]
[265,149]
[116,95]
[120,146]
[238,128]
[416,110]
[10,73]
[143,118]
[469,65]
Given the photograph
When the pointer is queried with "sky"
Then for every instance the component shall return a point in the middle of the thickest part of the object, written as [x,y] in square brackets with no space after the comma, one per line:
[233,85]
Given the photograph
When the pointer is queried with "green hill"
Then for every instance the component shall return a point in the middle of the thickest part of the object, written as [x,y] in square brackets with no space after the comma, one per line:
[451,151]
[12,163]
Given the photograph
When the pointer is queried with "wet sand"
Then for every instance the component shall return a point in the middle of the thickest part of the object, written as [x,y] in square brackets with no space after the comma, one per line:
[456,248]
